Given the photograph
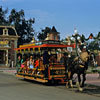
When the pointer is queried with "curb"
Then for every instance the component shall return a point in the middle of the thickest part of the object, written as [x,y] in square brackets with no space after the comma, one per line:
[8,71]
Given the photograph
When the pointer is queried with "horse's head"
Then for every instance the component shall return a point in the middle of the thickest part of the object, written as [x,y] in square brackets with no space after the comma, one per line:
[84,56]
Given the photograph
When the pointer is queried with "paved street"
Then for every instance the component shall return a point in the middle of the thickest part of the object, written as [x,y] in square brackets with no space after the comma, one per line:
[12,88]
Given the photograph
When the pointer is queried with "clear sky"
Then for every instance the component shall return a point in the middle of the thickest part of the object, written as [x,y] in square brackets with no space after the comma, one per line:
[65,15]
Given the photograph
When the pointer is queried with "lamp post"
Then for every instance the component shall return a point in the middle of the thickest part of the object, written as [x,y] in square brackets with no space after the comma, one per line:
[76,36]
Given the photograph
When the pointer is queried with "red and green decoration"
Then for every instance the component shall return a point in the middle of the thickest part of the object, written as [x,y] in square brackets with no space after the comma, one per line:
[91,36]
[98,36]
[86,39]
[83,39]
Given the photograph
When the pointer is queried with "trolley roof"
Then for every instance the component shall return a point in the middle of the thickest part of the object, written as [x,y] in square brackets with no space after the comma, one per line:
[44,44]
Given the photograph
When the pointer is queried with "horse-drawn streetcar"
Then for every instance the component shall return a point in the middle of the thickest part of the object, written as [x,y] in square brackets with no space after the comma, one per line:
[41,61]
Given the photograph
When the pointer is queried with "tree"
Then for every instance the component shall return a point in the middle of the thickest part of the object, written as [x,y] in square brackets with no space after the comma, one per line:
[3,13]
[43,34]
[23,27]
[93,45]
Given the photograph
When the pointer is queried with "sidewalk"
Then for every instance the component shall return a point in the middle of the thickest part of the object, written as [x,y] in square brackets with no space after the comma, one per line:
[93,79]
[11,71]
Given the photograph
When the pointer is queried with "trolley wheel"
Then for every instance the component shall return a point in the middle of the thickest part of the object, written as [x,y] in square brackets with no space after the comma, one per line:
[50,82]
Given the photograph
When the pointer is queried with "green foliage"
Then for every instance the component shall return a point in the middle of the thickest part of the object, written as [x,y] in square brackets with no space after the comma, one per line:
[98,36]
[23,27]
[82,38]
[3,16]
[93,45]
[43,34]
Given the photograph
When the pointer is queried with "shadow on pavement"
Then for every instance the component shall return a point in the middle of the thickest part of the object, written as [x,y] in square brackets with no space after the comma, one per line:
[92,90]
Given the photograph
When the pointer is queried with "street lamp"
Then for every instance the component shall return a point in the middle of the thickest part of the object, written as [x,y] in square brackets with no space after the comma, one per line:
[75,31]
[76,36]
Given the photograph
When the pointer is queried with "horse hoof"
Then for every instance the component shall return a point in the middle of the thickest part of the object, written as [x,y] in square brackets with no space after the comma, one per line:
[67,86]
[80,89]
[71,86]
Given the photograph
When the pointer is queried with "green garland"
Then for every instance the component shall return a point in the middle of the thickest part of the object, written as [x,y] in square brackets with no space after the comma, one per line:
[83,39]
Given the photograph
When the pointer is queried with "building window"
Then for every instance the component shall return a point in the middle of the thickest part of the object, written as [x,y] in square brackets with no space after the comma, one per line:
[54,37]
[5,31]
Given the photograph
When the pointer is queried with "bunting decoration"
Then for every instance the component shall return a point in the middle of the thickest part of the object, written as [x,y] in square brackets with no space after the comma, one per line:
[91,36]
[83,39]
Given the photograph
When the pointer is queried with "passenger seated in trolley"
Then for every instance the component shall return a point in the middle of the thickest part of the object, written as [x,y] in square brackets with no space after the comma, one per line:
[22,62]
[27,60]
[31,62]
[36,65]
[53,59]
[41,65]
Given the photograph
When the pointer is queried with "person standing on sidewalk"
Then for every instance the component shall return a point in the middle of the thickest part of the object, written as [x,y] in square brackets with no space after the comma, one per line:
[18,64]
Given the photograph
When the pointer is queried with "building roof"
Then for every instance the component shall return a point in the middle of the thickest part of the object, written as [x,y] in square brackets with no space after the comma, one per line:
[10,30]
[53,30]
